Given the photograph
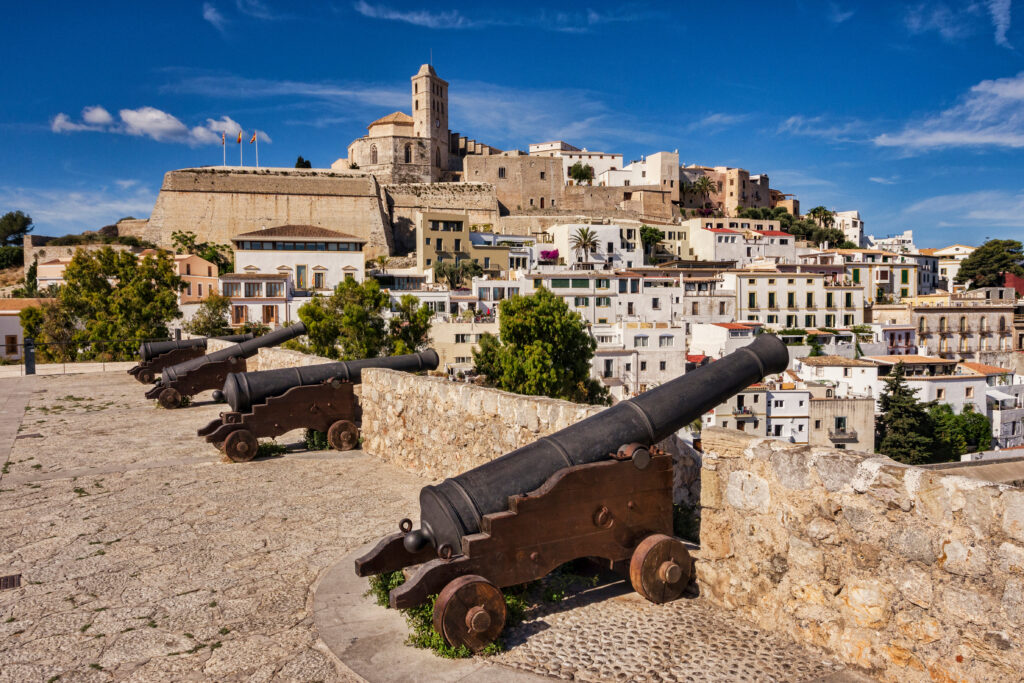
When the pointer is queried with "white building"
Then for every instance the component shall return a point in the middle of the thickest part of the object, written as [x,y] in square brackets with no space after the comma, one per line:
[716,340]
[903,242]
[851,225]
[795,300]
[599,161]
[789,414]
[314,259]
[617,246]
[12,338]
[634,357]
[742,240]
[661,169]
[949,261]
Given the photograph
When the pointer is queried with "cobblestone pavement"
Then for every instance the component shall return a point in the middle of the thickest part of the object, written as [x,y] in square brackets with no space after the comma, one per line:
[145,558]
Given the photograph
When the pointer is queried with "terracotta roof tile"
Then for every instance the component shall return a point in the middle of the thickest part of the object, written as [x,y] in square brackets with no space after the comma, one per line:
[836,361]
[301,231]
[986,369]
[19,304]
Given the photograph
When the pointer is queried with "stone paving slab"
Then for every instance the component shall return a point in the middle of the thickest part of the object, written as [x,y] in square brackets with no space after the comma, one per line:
[14,396]
[10,371]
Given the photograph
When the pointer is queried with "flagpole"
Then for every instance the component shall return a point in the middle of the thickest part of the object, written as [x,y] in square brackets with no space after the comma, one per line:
[239,149]
[224,148]
[257,134]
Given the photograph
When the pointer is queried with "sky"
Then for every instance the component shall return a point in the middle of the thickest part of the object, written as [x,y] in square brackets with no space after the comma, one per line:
[910,112]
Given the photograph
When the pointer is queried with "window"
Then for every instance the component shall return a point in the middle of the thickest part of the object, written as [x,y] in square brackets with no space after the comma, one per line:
[463,338]
[941,394]
[771,299]
[810,299]
[963,323]
[269,315]
[200,289]
[856,275]
[580,283]
[830,320]
[661,365]
[373,154]
[970,392]
[829,300]
[656,304]
[643,366]
[408,154]
[11,345]
[188,269]
[253,289]
[809,321]
[603,301]
[721,308]
[318,281]
[559,283]
[300,277]
[275,289]
[848,301]
[209,271]
[232,288]
[188,289]
[694,308]
[790,300]
[501,172]
[582,301]
[817,424]
[666,341]
[604,284]
[752,300]
[542,175]
[239,314]
[640,341]
[904,276]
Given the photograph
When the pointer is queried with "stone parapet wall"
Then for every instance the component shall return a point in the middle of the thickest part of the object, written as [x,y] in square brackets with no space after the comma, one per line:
[905,572]
[440,428]
[274,358]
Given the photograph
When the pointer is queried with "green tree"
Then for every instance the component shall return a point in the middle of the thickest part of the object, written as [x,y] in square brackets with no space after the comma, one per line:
[30,285]
[585,240]
[14,225]
[455,275]
[581,173]
[704,187]
[382,262]
[815,346]
[650,237]
[409,326]
[349,324]
[822,216]
[211,318]
[303,163]
[543,349]
[219,255]
[948,432]
[116,299]
[976,428]
[54,331]
[987,264]
[904,426]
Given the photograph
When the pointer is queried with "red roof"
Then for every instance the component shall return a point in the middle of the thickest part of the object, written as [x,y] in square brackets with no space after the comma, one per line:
[773,233]
[695,358]
[732,232]
[732,326]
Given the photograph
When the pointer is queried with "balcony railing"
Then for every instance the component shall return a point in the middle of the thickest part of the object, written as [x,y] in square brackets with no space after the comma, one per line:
[842,434]
[744,413]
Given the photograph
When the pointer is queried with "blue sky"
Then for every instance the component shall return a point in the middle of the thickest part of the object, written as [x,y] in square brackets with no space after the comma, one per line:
[911,112]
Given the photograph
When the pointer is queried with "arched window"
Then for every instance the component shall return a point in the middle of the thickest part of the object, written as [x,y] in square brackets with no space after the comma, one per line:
[415,88]
[922,326]
[984,324]
[408,154]
[373,154]
[963,323]
[943,326]
[437,157]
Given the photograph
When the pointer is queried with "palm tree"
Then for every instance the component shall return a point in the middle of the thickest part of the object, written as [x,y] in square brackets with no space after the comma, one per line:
[382,262]
[584,240]
[822,216]
[705,187]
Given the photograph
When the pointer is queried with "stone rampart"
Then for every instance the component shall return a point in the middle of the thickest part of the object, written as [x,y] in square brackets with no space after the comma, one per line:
[439,428]
[905,572]
[218,203]
[39,247]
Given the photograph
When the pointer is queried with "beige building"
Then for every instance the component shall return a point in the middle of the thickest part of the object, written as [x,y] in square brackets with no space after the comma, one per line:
[795,300]
[522,182]
[446,237]
[570,155]
[969,327]
[455,339]
[735,188]
[199,275]
[841,422]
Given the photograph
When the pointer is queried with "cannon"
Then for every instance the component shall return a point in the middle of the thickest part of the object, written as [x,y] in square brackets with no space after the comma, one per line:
[319,397]
[210,371]
[599,488]
[155,356]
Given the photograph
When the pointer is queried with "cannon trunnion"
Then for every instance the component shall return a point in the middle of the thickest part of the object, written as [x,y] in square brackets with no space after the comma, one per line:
[598,488]
[210,371]
[320,397]
[155,356]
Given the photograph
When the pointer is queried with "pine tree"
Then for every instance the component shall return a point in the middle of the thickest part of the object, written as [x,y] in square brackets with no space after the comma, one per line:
[904,428]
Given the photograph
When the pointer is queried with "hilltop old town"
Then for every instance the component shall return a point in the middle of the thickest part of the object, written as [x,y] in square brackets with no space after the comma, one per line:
[838,415]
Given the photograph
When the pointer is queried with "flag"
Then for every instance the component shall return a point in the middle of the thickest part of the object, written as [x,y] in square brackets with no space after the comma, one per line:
[223,139]
[253,139]
[239,137]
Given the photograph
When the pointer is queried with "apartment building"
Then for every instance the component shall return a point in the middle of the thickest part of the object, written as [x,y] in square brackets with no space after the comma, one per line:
[949,260]
[742,240]
[446,237]
[660,169]
[966,326]
[734,188]
[265,298]
[841,422]
[617,246]
[716,340]
[788,414]
[632,357]
[852,226]
[901,243]
[848,377]
[455,338]
[794,300]
[312,258]
[883,275]
[599,161]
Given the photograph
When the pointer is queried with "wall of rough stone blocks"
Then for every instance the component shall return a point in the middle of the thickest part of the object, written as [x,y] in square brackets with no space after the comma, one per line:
[439,428]
[405,200]
[905,572]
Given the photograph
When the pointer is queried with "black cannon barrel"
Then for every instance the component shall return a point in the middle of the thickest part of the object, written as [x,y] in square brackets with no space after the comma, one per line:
[150,350]
[455,507]
[244,389]
[246,349]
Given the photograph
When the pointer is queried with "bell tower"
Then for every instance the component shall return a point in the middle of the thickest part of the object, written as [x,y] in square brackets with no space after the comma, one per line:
[430,115]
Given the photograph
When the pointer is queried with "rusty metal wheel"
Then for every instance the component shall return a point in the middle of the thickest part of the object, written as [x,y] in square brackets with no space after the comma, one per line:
[660,568]
[169,398]
[469,611]
[343,435]
[241,446]
[145,376]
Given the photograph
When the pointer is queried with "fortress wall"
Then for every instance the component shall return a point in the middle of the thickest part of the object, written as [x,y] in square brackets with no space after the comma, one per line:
[405,200]
[218,204]
[439,428]
[899,570]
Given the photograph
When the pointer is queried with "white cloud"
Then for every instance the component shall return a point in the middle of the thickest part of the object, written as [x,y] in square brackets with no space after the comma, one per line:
[717,121]
[991,114]
[566,22]
[126,184]
[949,23]
[256,9]
[213,15]
[791,178]
[152,123]
[987,208]
[1000,11]
[837,15]
[885,181]
[61,211]
[97,116]
[851,130]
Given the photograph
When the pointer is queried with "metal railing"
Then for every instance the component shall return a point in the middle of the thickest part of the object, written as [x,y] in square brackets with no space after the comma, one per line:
[842,434]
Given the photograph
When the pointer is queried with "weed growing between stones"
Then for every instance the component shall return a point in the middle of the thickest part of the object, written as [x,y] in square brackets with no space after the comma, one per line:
[270,448]
[518,601]
[316,440]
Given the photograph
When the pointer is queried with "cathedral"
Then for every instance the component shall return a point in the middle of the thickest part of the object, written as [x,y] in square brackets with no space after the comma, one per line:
[399,148]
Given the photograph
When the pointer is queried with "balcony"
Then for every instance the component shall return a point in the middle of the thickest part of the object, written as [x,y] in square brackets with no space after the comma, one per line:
[842,435]
[744,413]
